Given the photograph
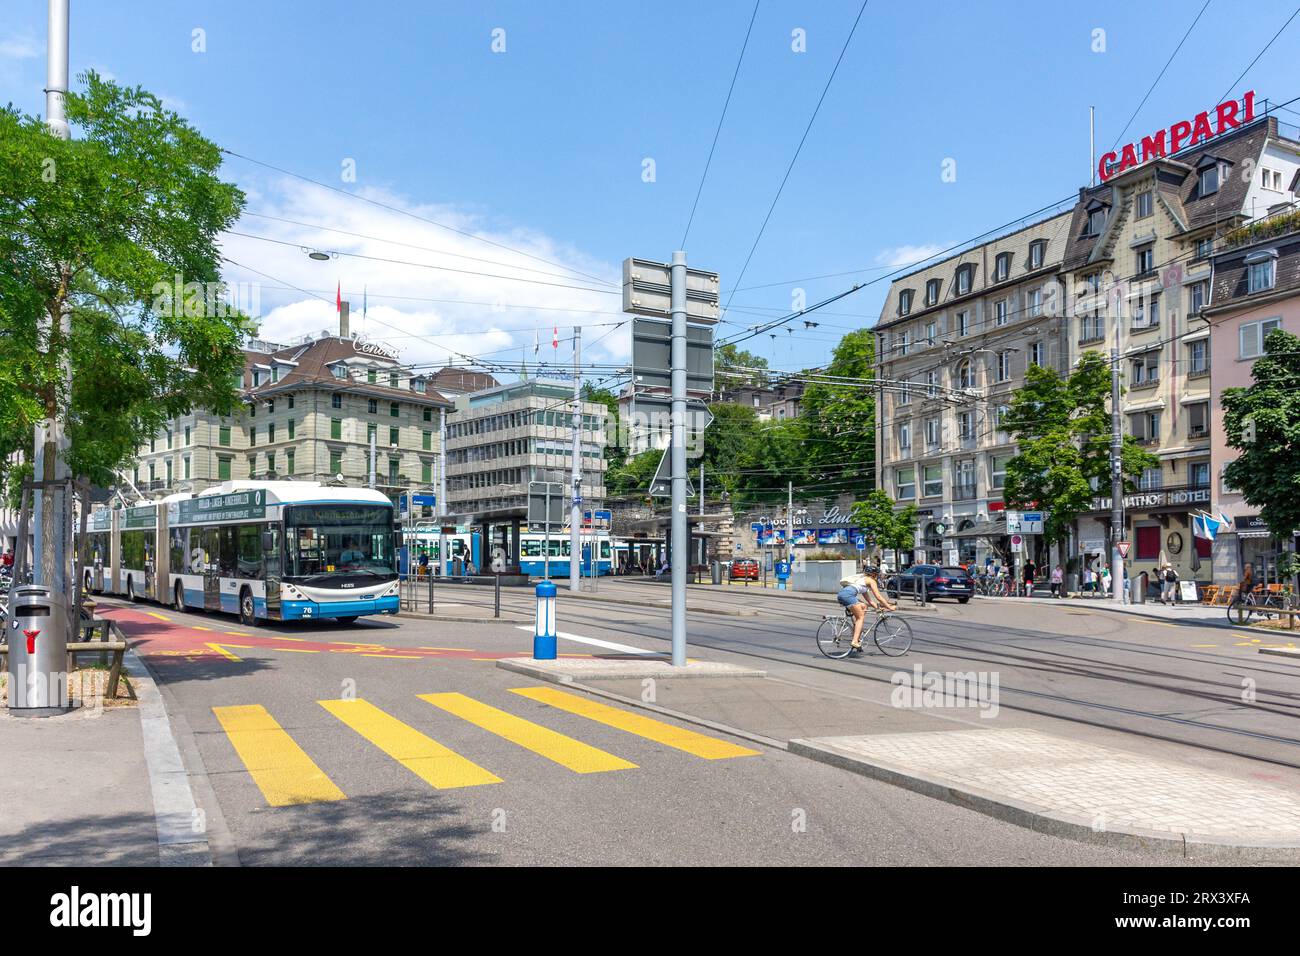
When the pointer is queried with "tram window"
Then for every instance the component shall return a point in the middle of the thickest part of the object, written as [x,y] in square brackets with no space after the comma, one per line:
[604,549]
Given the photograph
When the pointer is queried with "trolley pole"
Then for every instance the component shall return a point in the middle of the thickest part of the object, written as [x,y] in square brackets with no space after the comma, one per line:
[575,514]
[1116,475]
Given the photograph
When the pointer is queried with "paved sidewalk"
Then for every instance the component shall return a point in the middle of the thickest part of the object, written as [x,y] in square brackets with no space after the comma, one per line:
[1198,613]
[75,791]
[1075,789]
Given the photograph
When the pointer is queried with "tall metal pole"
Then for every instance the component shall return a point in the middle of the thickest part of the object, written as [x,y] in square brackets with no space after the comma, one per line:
[678,557]
[442,488]
[372,455]
[51,501]
[1116,474]
[789,519]
[575,514]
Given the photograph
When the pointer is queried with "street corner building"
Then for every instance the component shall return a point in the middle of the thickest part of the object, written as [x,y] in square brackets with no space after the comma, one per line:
[1183,256]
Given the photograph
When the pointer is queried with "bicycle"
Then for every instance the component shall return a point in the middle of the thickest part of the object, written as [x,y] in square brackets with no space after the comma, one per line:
[891,634]
[1240,610]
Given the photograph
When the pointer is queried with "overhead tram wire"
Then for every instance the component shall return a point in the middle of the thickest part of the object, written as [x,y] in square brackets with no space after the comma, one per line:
[1152,87]
[406,212]
[1233,84]
[790,168]
[425,265]
[708,162]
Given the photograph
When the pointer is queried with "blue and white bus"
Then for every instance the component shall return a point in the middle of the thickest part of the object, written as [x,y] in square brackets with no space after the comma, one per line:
[265,550]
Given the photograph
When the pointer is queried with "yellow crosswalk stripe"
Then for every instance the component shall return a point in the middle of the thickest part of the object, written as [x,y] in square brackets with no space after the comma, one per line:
[429,760]
[710,748]
[564,750]
[280,768]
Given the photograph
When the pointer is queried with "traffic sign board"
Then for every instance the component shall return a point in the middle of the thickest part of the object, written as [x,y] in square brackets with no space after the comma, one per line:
[647,290]
[862,544]
[661,485]
[1123,548]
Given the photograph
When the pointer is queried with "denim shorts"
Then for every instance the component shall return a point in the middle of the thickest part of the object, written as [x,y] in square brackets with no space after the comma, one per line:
[848,596]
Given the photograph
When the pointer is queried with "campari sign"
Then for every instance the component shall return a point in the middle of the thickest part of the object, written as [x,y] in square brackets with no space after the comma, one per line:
[1182,135]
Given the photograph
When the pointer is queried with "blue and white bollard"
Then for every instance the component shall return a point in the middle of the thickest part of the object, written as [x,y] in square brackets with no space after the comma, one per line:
[544,631]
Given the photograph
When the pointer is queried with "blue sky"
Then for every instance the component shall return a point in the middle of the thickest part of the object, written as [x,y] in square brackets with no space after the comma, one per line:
[541,147]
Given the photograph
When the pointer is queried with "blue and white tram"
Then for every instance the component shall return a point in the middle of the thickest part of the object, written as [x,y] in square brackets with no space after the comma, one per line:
[597,553]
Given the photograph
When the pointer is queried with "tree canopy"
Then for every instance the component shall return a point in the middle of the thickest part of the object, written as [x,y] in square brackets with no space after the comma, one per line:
[120,223]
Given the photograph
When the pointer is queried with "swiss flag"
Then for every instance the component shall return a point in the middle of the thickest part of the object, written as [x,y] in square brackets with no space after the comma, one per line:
[555,338]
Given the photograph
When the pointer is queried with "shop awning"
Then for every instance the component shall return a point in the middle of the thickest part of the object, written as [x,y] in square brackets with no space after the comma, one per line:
[991,529]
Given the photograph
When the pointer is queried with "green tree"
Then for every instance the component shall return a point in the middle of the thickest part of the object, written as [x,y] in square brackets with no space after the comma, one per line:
[1262,422]
[884,523]
[1062,428]
[731,364]
[841,419]
[108,224]
[615,436]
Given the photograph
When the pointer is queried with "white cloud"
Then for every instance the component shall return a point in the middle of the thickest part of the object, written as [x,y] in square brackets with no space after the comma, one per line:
[899,257]
[426,314]
[20,48]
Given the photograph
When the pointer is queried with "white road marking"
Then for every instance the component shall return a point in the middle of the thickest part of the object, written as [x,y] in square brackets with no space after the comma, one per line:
[596,642]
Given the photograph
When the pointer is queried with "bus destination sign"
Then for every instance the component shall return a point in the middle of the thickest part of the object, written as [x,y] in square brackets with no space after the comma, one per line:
[240,506]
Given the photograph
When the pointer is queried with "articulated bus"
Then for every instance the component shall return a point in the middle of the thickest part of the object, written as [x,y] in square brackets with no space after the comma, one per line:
[265,550]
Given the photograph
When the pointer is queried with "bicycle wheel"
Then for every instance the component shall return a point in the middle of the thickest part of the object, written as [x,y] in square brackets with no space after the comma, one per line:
[834,637]
[892,634]
[1239,612]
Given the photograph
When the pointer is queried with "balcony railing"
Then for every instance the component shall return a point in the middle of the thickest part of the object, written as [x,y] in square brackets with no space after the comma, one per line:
[963,492]
[1198,431]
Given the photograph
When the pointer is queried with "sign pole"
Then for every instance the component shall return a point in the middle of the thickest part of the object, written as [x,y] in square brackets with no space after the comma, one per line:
[1116,475]
[678,556]
[546,547]
[575,515]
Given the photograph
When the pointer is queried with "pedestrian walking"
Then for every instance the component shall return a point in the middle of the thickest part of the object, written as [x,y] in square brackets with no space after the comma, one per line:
[1029,578]
[1168,584]
[1058,576]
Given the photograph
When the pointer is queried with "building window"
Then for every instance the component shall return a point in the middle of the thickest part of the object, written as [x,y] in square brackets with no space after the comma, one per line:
[1197,293]
[1002,267]
[965,275]
[393,435]
[1151,480]
[1092,328]
[1204,247]
[428,414]
[1198,474]
[932,384]
[291,429]
[1146,259]
[932,292]
[933,481]
[1198,420]
[905,302]
[1035,353]
[252,434]
[393,465]
[257,378]
[998,471]
[270,433]
[290,401]
[270,462]
[426,473]
[905,395]
[426,441]
[394,410]
[1145,426]
[931,329]
[336,429]
[1000,312]
[336,462]
[1037,250]
[1096,222]
[1004,366]
[392,380]
[1198,357]
[223,467]
[965,426]
[905,439]
[932,432]
[965,375]
[372,434]
[1251,336]
[339,371]
[289,468]
[187,436]
[904,342]
[1144,204]
[1259,274]
[372,406]
[372,376]
[1000,416]
[1209,182]
[1146,368]
[336,400]
[963,323]
[905,483]
[1148,543]
[223,435]
[1035,302]
[964,478]
[185,465]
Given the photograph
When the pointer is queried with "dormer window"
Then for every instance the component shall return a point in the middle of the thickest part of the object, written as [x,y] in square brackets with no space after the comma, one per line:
[932,292]
[340,371]
[1096,220]
[965,275]
[1002,267]
[905,302]
[1144,204]
[257,378]
[1208,171]
[1260,271]
[1037,252]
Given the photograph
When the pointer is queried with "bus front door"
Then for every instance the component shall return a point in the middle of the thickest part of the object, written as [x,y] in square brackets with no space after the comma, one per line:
[272,569]
[211,578]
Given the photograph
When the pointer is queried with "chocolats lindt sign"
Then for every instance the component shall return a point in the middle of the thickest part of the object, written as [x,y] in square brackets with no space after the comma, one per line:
[1183,134]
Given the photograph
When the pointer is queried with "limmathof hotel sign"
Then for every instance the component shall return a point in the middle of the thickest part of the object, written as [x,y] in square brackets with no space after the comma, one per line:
[1158,499]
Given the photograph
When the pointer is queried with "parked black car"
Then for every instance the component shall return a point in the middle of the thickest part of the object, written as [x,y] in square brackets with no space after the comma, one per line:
[940,581]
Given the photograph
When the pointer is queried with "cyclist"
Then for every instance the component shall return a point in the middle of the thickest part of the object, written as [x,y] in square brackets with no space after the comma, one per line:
[859,592]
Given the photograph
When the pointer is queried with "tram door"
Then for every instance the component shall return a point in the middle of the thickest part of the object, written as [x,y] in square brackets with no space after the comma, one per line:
[211,575]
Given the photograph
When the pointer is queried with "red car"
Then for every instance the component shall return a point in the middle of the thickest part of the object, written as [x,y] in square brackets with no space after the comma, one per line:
[744,568]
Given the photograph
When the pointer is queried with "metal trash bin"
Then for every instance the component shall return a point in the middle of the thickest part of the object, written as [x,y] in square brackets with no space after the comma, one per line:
[1138,588]
[38,652]
[717,572]
[1071,583]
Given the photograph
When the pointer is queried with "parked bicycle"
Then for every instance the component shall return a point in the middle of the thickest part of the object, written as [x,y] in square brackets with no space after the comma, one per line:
[890,633]
[1265,604]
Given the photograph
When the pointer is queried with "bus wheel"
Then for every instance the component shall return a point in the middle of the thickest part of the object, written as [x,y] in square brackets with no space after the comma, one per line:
[130,590]
[246,608]
[180,596]
[87,586]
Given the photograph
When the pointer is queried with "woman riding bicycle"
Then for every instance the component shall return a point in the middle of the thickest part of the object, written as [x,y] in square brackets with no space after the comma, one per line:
[856,594]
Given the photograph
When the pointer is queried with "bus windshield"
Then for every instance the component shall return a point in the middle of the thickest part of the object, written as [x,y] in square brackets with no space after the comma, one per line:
[337,540]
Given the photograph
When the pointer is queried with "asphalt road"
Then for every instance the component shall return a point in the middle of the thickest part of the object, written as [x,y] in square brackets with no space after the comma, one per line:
[311,744]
